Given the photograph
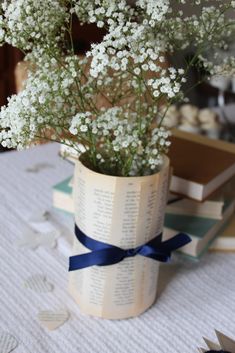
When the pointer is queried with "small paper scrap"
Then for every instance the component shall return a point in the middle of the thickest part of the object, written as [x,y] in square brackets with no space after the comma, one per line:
[38,167]
[226,344]
[32,239]
[7,342]
[39,216]
[45,221]
[52,319]
[49,239]
[38,283]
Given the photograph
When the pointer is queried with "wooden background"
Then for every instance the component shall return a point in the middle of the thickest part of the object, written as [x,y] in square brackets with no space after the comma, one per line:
[9,57]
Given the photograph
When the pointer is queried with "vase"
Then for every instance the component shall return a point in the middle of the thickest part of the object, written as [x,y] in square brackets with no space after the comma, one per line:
[125,212]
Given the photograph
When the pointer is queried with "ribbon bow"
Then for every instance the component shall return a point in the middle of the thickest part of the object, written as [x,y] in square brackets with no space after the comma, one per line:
[103,254]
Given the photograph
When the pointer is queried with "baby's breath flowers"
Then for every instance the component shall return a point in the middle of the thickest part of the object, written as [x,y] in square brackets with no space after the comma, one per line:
[30,23]
[113,102]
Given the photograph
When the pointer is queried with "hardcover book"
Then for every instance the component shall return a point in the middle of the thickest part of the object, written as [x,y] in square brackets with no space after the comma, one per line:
[212,207]
[226,240]
[208,208]
[201,230]
[200,165]
[63,195]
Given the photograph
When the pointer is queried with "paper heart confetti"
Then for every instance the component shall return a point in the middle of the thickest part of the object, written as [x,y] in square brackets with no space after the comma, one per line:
[48,239]
[30,239]
[52,319]
[39,216]
[45,221]
[7,342]
[38,167]
[38,283]
[42,229]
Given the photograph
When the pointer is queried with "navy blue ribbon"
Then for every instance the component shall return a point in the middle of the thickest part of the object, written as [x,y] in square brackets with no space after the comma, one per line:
[217,351]
[103,254]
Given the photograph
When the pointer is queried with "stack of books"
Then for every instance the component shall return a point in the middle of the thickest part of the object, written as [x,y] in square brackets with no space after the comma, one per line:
[204,181]
[202,198]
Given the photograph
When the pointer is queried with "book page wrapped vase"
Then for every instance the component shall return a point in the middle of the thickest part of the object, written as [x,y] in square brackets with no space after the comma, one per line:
[123,212]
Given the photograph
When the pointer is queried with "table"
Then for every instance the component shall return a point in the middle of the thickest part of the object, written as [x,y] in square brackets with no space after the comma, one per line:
[193,298]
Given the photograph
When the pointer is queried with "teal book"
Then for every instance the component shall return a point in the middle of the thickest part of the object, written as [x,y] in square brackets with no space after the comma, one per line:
[201,230]
[226,240]
[63,195]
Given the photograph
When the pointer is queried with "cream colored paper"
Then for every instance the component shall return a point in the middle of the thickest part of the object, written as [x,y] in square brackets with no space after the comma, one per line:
[52,319]
[38,283]
[126,212]
[7,342]
[225,343]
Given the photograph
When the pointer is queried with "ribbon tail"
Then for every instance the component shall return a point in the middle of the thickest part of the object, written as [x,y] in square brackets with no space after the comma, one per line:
[176,242]
[155,253]
[104,257]
[161,251]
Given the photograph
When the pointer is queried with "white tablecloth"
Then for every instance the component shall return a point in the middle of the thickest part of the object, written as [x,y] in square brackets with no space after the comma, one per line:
[193,298]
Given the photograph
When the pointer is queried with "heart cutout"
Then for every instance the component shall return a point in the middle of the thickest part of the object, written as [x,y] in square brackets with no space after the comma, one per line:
[7,342]
[38,167]
[49,239]
[38,283]
[30,239]
[39,216]
[52,319]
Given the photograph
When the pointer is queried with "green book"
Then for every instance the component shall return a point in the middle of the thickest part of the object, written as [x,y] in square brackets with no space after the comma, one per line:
[63,195]
[201,230]
[226,239]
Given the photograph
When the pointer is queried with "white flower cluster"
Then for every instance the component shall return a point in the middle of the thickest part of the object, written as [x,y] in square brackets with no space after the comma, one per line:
[155,10]
[46,102]
[111,101]
[2,30]
[168,84]
[126,44]
[118,137]
[30,23]
[204,27]
[81,122]
[226,68]
[136,45]
[100,11]
[157,146]
[211,28]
